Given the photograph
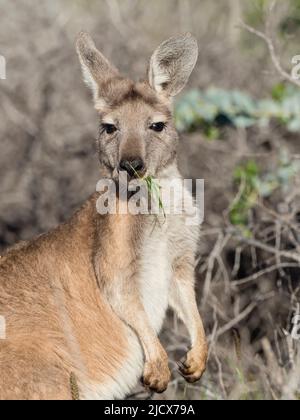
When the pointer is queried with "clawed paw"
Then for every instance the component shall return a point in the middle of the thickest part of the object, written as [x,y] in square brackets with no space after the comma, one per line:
[156,376]
[193,365]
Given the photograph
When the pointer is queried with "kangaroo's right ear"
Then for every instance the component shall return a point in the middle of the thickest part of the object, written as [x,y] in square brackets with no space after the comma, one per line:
[172,64]
[97,70]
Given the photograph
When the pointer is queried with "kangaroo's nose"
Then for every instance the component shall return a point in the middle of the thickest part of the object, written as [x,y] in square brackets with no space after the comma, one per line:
[132,166]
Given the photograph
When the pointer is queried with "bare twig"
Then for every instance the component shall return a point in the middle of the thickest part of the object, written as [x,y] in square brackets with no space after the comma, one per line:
[250,308]
[261,273]
[283,254]
[220,374]
[237,261]
[211,264]
[275,59]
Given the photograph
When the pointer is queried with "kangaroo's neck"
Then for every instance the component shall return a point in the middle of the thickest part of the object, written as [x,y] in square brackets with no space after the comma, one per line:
[115,239]
[169,172]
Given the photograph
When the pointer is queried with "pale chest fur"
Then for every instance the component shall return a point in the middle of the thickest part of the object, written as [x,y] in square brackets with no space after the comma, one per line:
[155,275]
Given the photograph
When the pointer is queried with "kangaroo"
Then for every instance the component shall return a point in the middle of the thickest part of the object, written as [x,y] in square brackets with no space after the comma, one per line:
[88,299]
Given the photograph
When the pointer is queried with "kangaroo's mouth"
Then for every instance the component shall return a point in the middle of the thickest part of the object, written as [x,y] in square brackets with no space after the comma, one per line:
[128,187]
[131,177]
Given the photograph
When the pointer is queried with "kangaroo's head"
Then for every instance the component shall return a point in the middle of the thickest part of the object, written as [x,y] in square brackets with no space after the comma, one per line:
[137,132]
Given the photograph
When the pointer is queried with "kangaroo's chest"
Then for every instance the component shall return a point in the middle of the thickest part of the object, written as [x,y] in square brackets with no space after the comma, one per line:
[154,277]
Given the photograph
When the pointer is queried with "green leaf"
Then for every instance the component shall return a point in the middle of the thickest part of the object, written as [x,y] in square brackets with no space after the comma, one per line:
[279,92]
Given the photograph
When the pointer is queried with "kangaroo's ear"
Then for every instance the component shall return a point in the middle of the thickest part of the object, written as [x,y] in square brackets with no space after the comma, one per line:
[98,72]
[172,64]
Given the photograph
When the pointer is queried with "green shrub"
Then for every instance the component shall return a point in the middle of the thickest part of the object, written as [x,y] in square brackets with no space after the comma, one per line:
[210,109]
[254,185]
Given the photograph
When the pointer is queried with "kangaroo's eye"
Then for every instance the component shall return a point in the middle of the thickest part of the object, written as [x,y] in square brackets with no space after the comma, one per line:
[109,128]
[158,127]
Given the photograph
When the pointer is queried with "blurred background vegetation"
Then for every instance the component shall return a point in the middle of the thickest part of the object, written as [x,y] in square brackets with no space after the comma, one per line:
[240,129]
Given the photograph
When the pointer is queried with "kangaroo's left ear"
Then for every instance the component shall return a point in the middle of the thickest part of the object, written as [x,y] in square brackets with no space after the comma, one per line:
[97,70]
[172,64]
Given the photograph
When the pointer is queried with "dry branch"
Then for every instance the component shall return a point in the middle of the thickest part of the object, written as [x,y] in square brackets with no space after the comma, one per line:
[267,38]
[260,245]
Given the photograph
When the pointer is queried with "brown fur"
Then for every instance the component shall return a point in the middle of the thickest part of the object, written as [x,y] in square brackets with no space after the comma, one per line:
[73,298]
[36,277]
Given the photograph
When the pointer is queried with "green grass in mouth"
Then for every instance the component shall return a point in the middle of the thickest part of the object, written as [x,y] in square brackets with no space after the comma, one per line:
[153,188]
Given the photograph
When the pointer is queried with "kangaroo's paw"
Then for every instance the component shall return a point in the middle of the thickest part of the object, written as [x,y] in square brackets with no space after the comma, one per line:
[193,365]
[157,375]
